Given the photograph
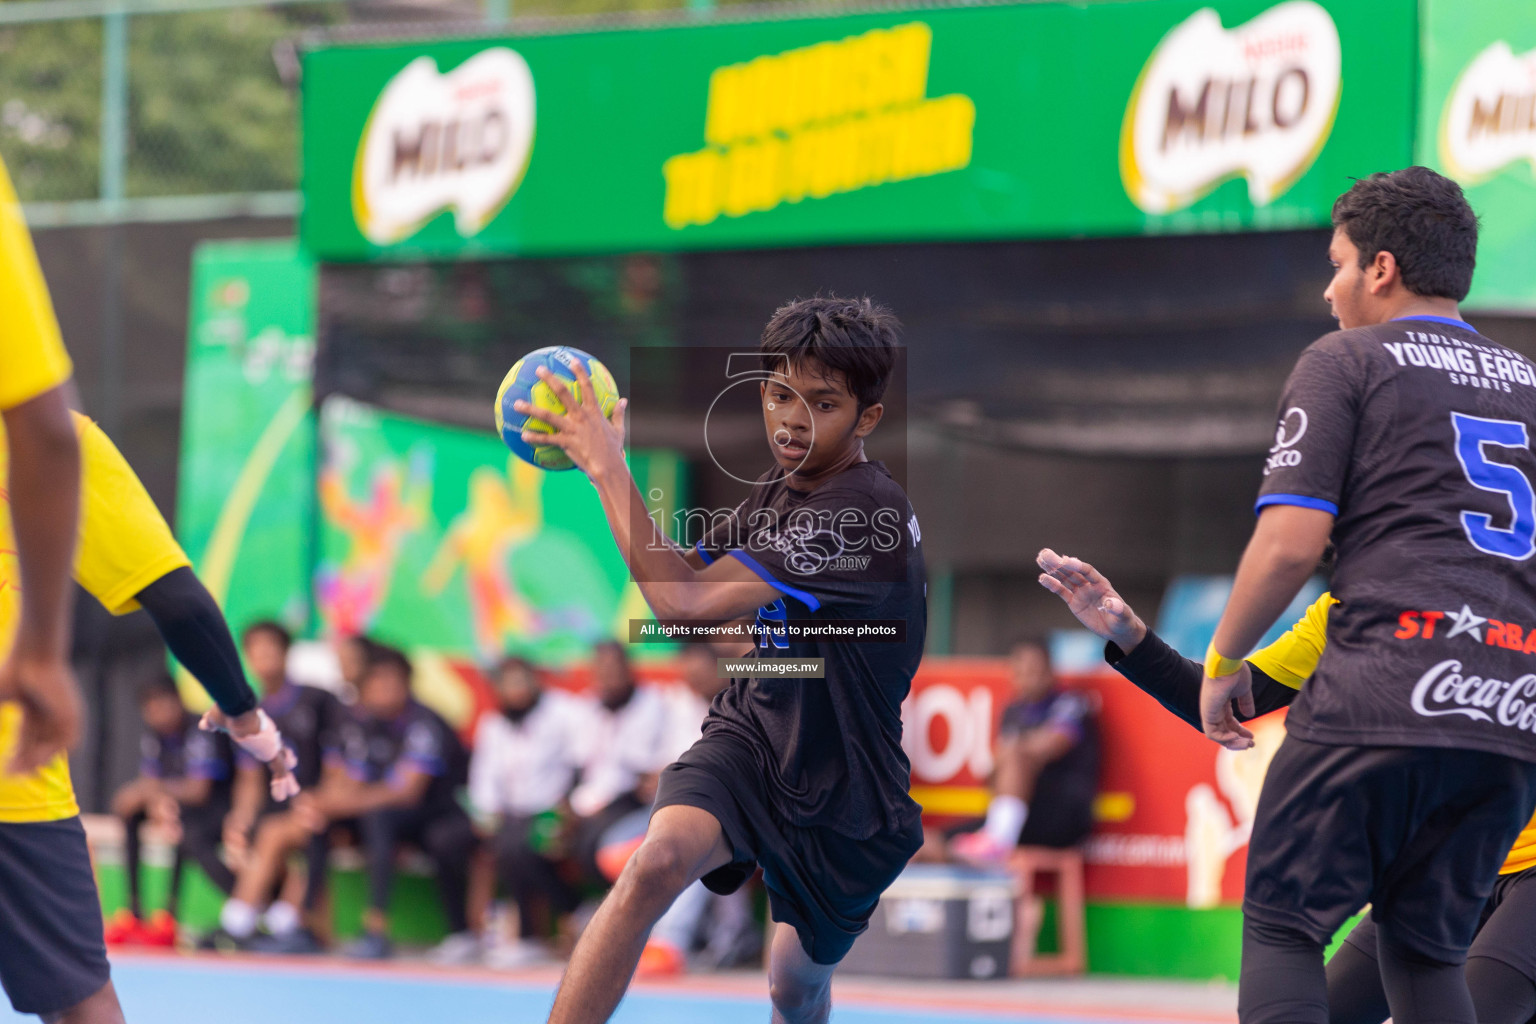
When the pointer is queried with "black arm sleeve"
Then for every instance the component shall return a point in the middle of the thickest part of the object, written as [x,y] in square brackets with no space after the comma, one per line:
[1174,680]
[195,631]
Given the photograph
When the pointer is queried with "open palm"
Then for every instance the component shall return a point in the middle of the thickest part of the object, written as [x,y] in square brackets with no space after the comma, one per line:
[1090,597]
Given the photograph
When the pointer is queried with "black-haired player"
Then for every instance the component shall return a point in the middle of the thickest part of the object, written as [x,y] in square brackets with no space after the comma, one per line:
[1501,963]
[1409,767]
[804,777]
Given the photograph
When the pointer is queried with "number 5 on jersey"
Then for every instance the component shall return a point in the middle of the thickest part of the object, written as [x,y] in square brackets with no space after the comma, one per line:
[1518,541]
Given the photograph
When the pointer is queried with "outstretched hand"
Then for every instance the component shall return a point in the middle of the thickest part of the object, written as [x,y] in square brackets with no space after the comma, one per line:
[593,441]
[1090,597]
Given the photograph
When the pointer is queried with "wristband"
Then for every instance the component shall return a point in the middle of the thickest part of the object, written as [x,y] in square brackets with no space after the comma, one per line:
[1218,665]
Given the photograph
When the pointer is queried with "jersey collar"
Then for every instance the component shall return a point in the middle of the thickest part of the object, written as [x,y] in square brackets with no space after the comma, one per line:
[1439,320]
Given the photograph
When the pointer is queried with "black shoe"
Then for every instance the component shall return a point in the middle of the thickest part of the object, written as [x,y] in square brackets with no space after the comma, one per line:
[295,943]
[220,941]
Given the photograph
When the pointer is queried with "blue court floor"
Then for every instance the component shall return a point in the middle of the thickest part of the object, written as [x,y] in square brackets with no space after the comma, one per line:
[213,990]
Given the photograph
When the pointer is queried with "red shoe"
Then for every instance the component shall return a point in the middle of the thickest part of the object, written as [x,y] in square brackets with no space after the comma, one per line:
[159,930]
[979,849]
[123,929]
[661,960]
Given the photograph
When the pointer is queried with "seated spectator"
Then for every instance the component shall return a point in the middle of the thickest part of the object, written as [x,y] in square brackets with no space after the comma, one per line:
[310,719]
[404,767]
[524,766]
[185,774]
[1047,765]
[624,750]
[734,936]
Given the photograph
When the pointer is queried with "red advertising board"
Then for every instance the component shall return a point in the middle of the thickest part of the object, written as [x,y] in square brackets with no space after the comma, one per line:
[1174,810]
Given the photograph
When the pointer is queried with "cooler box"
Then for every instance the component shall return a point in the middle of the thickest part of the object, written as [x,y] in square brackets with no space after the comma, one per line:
[940,921]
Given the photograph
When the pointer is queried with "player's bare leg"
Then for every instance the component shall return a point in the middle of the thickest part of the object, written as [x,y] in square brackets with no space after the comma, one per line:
[681,845]
[100,1008]
[801,988]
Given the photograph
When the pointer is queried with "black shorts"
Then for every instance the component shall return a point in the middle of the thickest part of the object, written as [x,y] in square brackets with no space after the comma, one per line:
[1506,931]
[820,882]
[1417,832]
[52,955]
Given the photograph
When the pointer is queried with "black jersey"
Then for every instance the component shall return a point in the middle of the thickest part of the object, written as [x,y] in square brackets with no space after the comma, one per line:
[191,753]
[378,750]
[1416,434]
[308,717]
[850,550]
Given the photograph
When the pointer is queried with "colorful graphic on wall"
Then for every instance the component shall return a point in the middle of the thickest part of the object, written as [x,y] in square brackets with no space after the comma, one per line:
[246,494]
[437,537]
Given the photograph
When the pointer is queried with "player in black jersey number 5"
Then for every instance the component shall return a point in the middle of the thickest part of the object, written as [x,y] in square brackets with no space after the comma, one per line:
[803,777]
[1407,771]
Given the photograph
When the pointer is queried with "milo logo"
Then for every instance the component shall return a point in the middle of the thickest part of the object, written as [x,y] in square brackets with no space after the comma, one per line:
[1489,121]
[1256,101]
[435,142]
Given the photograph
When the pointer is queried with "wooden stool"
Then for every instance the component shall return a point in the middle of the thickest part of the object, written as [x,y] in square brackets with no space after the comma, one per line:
[1027,862]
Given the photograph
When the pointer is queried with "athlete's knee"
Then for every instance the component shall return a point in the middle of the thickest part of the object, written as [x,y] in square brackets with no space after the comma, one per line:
[798,1000]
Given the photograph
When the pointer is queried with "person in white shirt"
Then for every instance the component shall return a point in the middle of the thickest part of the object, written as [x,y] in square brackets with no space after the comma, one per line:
[527,756]
[627,747]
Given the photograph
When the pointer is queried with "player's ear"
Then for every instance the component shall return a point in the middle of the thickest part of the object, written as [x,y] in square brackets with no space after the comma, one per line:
[868,419]
[1382,272]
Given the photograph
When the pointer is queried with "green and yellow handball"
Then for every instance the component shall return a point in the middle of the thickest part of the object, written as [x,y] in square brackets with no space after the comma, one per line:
[522,382]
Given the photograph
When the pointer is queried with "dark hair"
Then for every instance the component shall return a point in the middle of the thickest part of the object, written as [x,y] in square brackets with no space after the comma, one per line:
[384,656]
[1039,641]
[157,686]
[272,628]
[364,642]
[854,339]
[1422,219]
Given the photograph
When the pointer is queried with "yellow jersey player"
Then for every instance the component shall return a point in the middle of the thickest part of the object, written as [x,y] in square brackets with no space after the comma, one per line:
[1501,964]
[45,478]
[52,957]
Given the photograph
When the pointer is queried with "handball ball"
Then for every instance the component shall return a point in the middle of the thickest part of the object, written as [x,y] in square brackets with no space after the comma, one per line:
[522,382]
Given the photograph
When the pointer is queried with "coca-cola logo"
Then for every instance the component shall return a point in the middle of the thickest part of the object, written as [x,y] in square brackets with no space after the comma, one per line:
[1446,690]
[1489,120]
[435,142]
[1257,100]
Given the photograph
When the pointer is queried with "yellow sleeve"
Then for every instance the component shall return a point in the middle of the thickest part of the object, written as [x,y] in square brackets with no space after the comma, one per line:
[125,544]
[32,356]
[1293,658]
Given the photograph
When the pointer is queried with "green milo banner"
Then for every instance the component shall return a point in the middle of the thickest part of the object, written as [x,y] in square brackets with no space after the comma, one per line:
[437,537]
[1042,119]
[1477,123]
[246,489]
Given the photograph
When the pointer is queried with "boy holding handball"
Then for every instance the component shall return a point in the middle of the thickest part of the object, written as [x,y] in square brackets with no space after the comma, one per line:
[802,776]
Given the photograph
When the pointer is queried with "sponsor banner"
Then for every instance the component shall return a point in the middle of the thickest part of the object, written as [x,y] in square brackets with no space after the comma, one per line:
[1174,810]
[245,499]
[1477,123]
[1001,121]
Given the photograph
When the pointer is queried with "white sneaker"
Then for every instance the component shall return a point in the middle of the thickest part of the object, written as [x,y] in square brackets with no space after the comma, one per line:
[510,956]
[458,950]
